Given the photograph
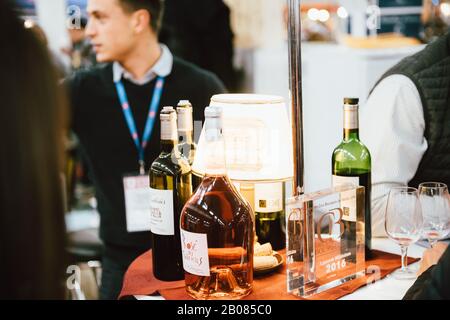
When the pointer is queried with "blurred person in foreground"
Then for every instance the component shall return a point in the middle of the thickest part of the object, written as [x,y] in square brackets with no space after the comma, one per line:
[82,57]
[433,282]
[56,60]
[32,230]
[406,125]
[124,34]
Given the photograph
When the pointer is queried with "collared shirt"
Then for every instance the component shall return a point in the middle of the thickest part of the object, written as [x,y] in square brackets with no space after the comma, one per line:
[392,128]
[162,68]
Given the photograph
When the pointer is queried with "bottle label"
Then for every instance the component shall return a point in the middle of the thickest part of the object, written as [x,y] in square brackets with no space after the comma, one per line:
[351,117]
[347,198]
[137,203]
[269,197]
[161,212]
[194,247]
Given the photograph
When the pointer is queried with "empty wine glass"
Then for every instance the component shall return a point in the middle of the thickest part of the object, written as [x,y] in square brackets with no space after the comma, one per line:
[404,224]
[435,202]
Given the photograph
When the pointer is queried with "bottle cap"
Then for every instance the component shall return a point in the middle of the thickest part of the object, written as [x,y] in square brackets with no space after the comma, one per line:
[168,118]
[167,109]
[184,103]
[213,123]
[184,110]
[168,114]
[351,119]
[351,101]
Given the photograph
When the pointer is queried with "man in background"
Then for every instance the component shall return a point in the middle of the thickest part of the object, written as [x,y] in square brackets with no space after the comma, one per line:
[406,125]
[124,35]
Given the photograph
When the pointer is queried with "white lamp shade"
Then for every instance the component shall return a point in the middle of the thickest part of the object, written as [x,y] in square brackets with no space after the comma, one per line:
[258,138]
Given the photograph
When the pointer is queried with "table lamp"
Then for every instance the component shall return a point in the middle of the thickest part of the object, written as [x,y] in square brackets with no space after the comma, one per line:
[259,156]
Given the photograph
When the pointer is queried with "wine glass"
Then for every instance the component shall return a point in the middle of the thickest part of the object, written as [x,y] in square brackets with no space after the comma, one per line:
[435,202]
[404,224]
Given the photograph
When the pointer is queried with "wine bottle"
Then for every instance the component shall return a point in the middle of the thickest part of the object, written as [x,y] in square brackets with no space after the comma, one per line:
[269,214]
[351,164]
[171,187]
[217,227]
[186,142]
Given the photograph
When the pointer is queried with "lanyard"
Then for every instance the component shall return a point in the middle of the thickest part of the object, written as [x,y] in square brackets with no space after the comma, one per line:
[154,105]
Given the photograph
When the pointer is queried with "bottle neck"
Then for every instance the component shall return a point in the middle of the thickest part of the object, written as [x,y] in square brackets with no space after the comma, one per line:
[215,153]
[351,122]
[186,136]
[351,134]
[168,145]
[185,124]
[169,134]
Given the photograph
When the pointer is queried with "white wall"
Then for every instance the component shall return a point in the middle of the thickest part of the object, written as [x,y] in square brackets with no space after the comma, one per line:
[52,19]
[330,73]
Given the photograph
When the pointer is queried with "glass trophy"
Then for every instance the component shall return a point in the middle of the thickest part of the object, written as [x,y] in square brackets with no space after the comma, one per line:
[325,239]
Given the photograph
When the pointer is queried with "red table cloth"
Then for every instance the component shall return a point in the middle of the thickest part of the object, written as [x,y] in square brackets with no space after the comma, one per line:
[139,280]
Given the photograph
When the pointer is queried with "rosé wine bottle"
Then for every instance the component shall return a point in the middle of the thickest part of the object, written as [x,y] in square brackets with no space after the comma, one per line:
[217,228]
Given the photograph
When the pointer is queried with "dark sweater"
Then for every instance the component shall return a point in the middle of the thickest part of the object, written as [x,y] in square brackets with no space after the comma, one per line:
[105,140]
[199,31]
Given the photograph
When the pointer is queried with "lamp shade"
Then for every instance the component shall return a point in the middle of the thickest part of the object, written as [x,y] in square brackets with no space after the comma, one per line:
[258,138]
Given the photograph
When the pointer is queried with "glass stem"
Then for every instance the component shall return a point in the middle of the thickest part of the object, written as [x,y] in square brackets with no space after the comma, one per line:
[404,250]
[432,243]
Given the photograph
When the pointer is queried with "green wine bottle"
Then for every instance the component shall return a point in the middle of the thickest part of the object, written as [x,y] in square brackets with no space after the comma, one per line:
[171,187]
[352,164]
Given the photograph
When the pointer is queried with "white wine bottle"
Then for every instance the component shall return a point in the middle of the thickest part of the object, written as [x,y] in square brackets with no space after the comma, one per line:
[171,187]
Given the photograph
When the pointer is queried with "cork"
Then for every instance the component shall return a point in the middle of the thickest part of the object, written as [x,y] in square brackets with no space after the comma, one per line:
[264,262]
[263,250]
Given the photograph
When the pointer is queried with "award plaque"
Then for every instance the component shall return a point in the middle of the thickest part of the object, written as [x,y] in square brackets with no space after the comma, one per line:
[325,239]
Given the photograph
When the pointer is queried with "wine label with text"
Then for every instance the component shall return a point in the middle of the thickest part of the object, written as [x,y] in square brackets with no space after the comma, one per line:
[194,247]
[137,203]
[347,198]
[269,197]
[161,212]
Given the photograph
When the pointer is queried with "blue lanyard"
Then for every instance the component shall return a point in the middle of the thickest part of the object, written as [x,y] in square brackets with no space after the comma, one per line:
[154,106]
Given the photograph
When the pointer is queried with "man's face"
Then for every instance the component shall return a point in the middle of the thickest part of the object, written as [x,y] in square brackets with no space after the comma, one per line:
[110,29]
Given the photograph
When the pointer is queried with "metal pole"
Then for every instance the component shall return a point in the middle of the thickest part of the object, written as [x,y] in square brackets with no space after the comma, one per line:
[295,79]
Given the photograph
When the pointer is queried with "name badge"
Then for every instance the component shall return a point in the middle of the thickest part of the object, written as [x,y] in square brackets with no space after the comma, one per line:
[137,203]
